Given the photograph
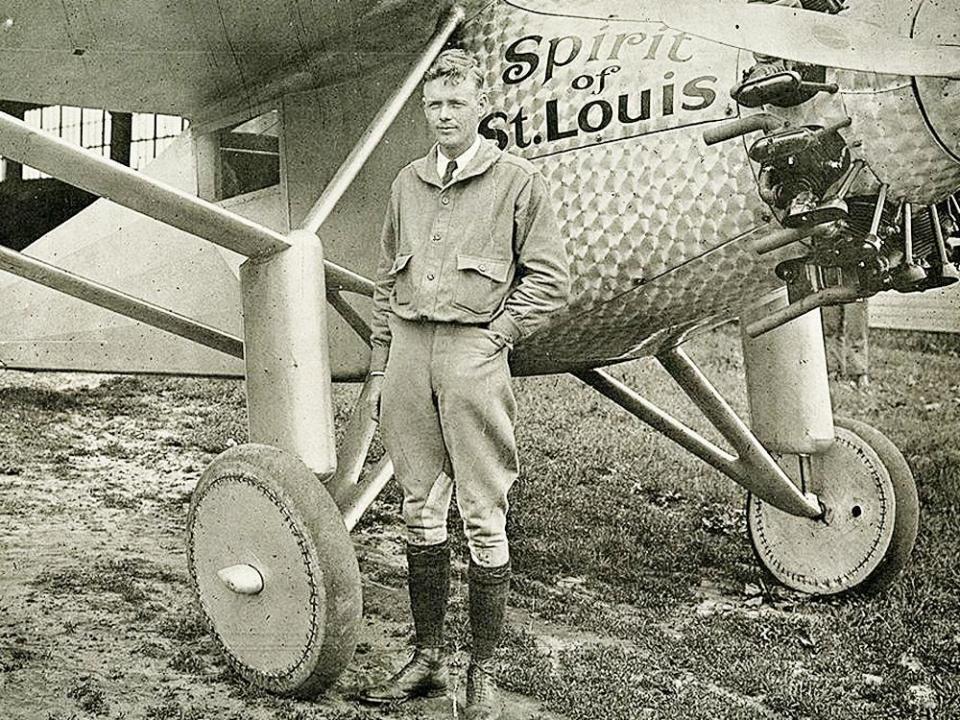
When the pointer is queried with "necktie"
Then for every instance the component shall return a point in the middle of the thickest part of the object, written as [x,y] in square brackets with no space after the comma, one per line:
[448,174]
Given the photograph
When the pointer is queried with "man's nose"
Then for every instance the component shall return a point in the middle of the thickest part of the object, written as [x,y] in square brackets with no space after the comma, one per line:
[445,113]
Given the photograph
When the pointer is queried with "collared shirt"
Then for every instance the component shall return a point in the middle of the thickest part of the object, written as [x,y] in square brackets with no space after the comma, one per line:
[463,159]
[483,250]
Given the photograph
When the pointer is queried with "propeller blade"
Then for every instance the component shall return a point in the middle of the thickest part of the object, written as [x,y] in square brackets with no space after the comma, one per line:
[811,37]
[801,35]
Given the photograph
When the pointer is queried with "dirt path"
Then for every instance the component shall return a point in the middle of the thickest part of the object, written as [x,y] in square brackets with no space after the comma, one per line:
[96,616]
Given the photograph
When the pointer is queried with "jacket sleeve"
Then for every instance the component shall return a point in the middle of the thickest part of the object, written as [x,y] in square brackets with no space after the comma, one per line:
[383,288]
[543,269]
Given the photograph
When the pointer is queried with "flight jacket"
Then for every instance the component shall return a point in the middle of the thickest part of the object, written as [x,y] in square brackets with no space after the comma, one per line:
[484,250]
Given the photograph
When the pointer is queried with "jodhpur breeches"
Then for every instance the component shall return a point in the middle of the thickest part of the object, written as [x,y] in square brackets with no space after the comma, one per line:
[447,417]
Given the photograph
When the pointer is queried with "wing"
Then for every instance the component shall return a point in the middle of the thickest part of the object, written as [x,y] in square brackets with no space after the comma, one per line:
[180,56]
[188,57]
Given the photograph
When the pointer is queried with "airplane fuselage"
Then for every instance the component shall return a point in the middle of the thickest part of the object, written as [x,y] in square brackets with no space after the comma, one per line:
[659,225]
[657,222]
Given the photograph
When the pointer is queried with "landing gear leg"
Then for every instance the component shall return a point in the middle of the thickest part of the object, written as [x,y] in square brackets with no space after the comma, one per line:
[272,564]
[864,536]
[832,506]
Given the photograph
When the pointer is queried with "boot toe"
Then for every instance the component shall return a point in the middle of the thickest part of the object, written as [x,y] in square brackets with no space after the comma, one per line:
[425,675]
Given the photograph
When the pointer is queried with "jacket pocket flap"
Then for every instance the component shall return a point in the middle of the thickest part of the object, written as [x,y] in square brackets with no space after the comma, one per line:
[400,263]
[494,269]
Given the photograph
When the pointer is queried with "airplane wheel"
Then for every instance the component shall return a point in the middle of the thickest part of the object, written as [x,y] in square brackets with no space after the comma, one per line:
[274,570]
[864,539]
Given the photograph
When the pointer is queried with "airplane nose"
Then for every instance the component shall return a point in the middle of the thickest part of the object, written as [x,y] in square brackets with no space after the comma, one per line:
[938,21]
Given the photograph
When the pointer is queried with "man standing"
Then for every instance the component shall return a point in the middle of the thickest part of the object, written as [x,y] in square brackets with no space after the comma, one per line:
[471,262]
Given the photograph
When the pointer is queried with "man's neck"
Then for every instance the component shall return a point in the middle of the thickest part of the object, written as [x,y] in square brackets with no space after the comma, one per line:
[457,153]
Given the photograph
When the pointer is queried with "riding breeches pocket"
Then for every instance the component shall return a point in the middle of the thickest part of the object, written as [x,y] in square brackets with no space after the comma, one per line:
[481,283]
[402,282]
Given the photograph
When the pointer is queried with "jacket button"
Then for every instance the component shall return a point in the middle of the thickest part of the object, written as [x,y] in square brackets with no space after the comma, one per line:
[430,276]
[482,268]
[445,200]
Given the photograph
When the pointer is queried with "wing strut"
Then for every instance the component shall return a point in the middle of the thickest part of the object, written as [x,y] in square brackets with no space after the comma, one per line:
[134,190]
[119,302]
[381,122]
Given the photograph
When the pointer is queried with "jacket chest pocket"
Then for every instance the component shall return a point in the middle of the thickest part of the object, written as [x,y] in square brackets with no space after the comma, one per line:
[402,284]
[481,283]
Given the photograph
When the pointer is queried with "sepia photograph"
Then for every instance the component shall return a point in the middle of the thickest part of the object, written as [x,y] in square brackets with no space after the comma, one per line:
[480,360]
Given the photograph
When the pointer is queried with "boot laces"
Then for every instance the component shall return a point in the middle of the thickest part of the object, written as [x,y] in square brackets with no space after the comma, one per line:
[483,685]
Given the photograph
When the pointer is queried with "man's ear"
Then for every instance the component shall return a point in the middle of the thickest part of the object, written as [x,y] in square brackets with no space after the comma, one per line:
[482,104]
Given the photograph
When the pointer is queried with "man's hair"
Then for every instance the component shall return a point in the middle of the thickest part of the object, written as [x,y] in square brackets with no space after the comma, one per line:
[454,66]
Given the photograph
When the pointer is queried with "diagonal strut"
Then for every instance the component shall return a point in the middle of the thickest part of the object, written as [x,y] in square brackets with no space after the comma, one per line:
[97,294]
[155,199]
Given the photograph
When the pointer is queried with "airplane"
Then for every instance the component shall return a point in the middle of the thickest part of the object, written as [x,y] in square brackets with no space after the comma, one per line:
[683,206]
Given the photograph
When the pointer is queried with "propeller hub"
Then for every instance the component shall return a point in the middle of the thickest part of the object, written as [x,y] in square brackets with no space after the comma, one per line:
[938,21]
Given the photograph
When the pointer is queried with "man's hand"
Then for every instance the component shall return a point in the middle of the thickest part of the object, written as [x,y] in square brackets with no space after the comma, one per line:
[375,388]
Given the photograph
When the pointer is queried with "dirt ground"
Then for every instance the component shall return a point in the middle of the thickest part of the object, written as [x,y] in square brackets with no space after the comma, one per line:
[96,614]
[638,595]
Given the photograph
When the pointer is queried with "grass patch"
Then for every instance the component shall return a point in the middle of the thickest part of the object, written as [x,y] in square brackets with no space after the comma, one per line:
[33,398]
[89,696]
[122,576]
[172,710]
[185,625]
[17,655]
[115,500]
[187,644]
[189,662]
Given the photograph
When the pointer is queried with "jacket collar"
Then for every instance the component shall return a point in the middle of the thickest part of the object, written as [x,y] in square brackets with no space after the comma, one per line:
[465,157]
[487,155]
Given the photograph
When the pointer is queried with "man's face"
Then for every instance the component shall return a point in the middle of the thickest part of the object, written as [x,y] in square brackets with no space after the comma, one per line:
[453,111]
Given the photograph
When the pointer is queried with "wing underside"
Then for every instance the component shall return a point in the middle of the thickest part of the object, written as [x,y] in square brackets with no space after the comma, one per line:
[180,56]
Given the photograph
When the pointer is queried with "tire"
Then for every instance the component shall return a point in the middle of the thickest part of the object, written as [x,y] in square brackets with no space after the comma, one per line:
[259,506]
[864,539]
[907,518]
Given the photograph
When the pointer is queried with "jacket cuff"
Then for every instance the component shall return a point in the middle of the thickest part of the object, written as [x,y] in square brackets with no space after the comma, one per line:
[378,357]
[506,325]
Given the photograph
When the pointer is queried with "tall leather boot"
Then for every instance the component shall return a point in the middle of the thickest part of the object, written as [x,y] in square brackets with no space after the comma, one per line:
[489,588]
[425,675]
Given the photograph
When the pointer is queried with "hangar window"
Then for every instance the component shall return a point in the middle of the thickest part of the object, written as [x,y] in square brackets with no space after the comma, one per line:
[151,135]
[249,156]
[147,135]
